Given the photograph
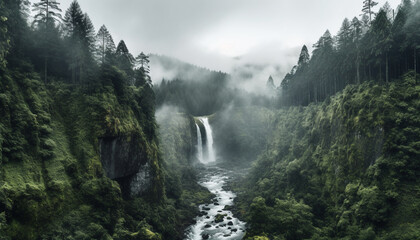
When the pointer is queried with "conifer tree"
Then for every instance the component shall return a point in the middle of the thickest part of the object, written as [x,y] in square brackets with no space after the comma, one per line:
[104,44]
[48,13]
[303,57]
[356,32]
[80,35]
[144,69]
[381,29]
[4,36]
[48,10]
[412,30]
[367,8]
[344,35]
[125,60]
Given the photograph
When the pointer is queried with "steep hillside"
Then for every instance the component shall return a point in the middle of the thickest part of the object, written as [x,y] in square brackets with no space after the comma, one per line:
[347,168]
[53,181]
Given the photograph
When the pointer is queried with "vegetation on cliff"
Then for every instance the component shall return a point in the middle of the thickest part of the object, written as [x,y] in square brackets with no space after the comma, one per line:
[346,168]
[53,114]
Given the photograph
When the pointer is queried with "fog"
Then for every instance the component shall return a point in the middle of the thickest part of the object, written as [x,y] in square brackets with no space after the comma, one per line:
[214,34]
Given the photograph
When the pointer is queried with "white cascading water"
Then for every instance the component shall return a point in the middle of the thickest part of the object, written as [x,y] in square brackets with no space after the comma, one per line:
[210,156]
[199,144]
[216,221]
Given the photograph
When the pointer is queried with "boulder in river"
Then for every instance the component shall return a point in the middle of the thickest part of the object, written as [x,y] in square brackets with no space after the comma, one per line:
[207,226]
[230,223]
[205,236]
[228,207]
[219,218]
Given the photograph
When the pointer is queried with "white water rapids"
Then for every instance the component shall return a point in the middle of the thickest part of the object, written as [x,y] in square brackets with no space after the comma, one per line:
[227,227]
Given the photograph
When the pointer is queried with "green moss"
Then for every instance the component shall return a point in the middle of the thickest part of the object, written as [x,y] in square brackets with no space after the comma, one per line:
[51,179]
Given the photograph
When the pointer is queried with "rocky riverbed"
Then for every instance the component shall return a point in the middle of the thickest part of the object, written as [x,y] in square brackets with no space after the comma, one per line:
[216,221]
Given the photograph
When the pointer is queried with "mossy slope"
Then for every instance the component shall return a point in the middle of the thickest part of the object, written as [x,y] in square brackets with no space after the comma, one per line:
[51,179]
[350,165]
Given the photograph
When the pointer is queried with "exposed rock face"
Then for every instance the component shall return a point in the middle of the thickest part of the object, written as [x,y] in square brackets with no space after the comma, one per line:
[123,159]
[141,181]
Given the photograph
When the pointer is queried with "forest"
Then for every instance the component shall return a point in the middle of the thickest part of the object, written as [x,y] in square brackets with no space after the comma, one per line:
[378,47]
[92,146]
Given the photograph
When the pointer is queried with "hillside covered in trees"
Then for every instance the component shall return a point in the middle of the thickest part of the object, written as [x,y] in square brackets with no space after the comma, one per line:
[341,159]
[378,46]
[66,93]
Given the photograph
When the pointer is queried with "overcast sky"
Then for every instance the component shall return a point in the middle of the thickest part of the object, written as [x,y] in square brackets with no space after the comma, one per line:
[210,33]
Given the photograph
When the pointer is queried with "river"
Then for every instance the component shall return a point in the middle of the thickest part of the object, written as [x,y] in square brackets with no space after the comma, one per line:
[216,221]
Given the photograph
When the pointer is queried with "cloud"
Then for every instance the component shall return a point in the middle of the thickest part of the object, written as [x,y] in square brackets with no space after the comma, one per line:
[165,113]
[209,33]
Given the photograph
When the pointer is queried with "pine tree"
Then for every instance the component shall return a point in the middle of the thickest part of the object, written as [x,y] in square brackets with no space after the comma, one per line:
[303,57]
[381,29]
[412,30]
[367,8]
[124,55]
[48,14]
[104,44]
[388,10]
[125,60]
[144,69]
[48,10]
[356,34]
[4,36]
[80,35]
[344,35]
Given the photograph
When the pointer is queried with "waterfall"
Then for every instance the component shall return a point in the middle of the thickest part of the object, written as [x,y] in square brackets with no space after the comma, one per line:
[210,153]
[199,144]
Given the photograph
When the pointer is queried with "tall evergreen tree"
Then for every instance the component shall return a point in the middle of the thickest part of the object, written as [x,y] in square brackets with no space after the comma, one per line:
[47,10]
[4,36]
[412,30]
[48,13]
[344,35]
[388,10]
[381,29]
[367,8]
[144,69]
[80,35]
[125,60]
[303,57]
[357,33]
[104,44]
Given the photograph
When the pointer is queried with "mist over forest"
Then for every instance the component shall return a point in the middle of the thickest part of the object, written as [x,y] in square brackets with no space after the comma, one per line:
[220,120]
